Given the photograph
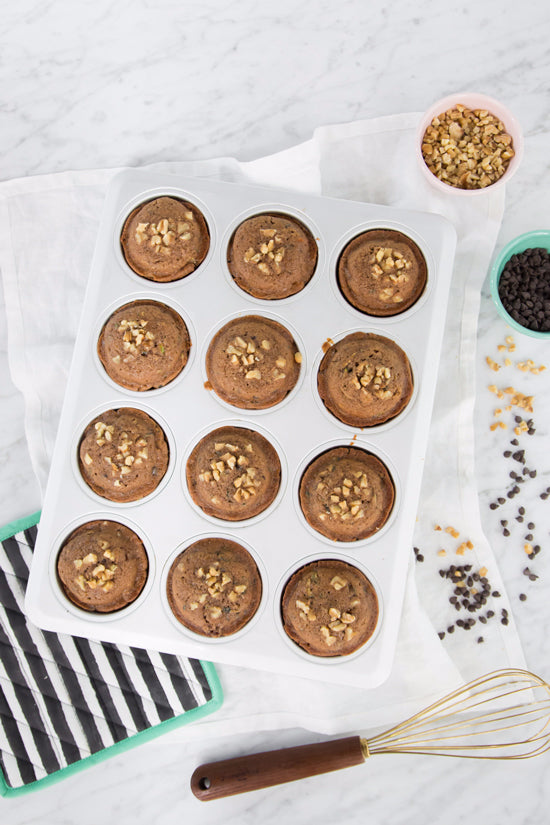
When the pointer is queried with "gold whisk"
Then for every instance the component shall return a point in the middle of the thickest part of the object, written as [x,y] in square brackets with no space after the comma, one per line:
[503,715]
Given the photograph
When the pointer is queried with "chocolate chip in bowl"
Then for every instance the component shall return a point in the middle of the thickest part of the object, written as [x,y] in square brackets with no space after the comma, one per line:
[520,283]
[467,142]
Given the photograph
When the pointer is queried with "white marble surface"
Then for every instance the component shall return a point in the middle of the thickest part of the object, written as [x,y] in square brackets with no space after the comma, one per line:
[103,85]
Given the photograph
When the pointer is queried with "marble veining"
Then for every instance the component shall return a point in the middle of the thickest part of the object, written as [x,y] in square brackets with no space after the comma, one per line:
[105,85]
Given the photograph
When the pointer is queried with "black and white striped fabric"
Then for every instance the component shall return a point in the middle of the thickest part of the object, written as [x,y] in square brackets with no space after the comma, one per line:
[64,698]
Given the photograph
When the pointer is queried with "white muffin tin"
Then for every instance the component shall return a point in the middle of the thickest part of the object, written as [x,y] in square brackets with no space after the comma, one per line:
[299,428]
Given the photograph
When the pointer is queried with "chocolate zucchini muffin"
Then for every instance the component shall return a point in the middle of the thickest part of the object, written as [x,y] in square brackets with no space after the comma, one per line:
[253,362]
[329,608]
[102,566]
[144,345]
[346,494]
[123,454]
[165,239]
[272,256]
[365,379]
[382,272]
[214,587]
[233,473]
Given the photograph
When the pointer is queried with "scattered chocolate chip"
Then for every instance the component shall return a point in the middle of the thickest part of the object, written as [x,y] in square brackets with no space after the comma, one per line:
[441,634]
[505,532]
[507,453]
[521,511]
[504,621]
[451,628]
[531,525]
[529,537]
[494,506]
[501,500]
[480,639]
[522,597]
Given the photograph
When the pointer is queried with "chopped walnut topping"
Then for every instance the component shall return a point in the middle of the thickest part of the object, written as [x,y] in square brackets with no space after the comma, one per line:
[96,574]
[245,478]
[135,338]
[248,358]
[389,267]
[165,233]
[124,458]
[268,257]
[337,627]
[348,499]
[370,379]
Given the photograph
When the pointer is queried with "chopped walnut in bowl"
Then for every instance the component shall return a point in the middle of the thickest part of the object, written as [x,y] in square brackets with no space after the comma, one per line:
[468,142]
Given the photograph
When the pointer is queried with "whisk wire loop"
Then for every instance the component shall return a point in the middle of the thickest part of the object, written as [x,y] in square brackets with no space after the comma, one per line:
[477,720]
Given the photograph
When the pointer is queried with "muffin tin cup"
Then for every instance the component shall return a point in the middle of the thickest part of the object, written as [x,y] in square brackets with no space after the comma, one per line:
[361,444]
[186,631]
[92,616]
[119,404]
[272,208]
[235,422]
[375,428]
[381,320]
[278,619]
[145,296]
[299,427]
[265,313]
[153,193]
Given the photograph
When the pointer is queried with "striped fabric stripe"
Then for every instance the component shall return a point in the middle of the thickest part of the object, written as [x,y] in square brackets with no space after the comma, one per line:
[63,698]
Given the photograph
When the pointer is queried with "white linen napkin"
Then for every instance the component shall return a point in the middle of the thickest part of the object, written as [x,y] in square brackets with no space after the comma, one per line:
[47,232]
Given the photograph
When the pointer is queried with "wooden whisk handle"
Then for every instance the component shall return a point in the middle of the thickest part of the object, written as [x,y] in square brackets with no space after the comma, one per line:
[215,780]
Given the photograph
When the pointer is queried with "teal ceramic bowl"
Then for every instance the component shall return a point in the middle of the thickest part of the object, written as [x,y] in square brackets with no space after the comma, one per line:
[539,239]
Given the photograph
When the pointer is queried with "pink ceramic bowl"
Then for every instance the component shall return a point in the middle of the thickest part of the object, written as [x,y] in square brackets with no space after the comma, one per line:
[472,100]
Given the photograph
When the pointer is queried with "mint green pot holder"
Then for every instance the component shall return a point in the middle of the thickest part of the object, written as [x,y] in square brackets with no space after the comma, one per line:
[68,702]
